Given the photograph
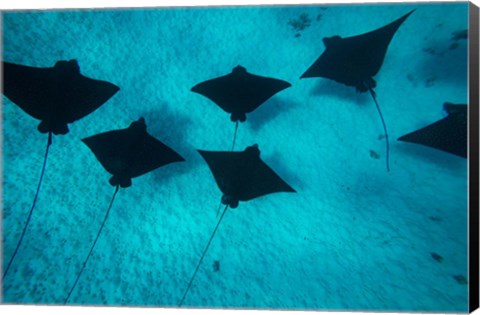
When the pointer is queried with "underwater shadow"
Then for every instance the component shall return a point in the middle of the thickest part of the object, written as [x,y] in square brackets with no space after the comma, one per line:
[340,91]
[171,127]
[268,112]
[441,61]
[450,162]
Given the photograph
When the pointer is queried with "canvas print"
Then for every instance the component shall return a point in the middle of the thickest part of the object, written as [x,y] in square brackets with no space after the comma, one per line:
[300,157]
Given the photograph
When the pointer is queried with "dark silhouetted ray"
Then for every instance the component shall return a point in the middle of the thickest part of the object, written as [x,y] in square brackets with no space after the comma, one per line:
[130,152]
[448,134]
[126,153]
[354,61]
[241,176]
[56,96]
[240,92]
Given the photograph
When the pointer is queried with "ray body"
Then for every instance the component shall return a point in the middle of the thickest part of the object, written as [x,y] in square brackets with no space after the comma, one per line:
[130,152]
[240,92]
[449,134]
[355,60]
[126,153]
[57,96]
[241,176]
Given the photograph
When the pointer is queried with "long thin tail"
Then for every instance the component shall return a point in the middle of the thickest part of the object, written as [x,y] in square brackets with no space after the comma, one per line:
[91,249]
[219,207]
[384,128]
[235,135]
[203,255]
[33,206]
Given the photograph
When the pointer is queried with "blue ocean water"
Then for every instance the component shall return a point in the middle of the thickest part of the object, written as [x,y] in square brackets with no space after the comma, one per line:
[353,237]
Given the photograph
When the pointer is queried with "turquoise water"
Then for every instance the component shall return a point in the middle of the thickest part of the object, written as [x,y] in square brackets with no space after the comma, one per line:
[353,237]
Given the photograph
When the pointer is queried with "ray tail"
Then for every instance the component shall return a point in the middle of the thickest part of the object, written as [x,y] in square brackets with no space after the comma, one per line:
[201,258]
[91,249]
[384,128]
[33,206]
[235,135]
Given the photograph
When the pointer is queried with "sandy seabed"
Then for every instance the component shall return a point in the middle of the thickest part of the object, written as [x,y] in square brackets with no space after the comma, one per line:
[353,237]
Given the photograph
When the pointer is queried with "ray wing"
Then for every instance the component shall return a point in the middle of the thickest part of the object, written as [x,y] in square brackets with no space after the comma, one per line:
[448,134]
[222,164]
[112,149]
[84,95]
[240,91]
[259,180]
[32,89]
[151,154]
